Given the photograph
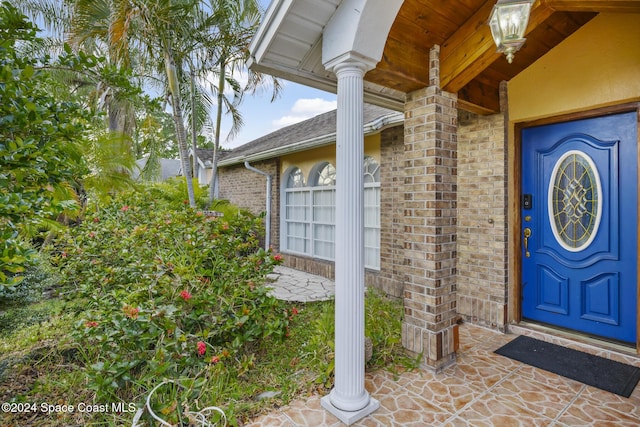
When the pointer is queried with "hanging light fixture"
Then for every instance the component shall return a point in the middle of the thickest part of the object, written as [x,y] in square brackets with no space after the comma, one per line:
[508,22]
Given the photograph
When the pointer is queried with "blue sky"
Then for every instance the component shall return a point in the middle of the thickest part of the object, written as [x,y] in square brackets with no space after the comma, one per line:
[296,103]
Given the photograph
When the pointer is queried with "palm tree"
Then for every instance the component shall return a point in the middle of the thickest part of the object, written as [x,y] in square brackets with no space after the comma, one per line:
[172,36]
[106,83]
[200,102]
[105,23]
[123,28]
[165,30]
[96,26]
[203,35]
[235,25]
[56,14]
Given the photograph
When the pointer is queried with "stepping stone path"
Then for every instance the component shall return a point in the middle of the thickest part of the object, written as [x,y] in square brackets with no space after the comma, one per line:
[296,286]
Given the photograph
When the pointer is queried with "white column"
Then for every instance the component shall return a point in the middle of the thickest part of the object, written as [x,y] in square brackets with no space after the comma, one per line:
[349,400]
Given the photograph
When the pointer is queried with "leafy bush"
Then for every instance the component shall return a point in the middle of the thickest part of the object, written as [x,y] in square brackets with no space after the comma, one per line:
[35,279]
[172,193]
[168,293]
[383,322]
[39,144]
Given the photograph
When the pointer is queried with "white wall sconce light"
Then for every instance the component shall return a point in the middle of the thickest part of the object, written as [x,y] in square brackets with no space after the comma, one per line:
[508,22]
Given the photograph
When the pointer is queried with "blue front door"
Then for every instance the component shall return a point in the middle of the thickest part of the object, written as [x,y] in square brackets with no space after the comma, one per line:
[579,225]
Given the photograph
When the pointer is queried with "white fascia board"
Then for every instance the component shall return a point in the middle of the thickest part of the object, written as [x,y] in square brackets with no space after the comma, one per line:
[270,25]
[391,99]
[200,161]
[370,128]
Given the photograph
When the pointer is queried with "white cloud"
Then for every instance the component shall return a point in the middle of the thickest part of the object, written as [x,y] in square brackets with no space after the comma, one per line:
[304,109]
[313,107]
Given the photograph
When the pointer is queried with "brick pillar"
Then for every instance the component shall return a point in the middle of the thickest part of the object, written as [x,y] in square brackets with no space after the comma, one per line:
[430,168]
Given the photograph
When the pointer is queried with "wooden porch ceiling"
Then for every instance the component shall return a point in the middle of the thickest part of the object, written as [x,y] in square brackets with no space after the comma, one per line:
[469,63]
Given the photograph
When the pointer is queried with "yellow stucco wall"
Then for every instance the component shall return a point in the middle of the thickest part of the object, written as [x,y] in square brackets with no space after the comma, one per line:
[306,160]
[597,66]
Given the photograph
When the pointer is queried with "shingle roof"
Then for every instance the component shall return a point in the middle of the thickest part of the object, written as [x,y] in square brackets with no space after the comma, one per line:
[317,131]
[204,155]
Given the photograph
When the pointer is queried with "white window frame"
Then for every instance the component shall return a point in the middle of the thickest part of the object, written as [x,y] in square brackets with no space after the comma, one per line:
[315,222]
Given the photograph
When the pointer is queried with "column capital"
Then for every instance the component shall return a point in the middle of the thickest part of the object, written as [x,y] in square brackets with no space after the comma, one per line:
[351,60]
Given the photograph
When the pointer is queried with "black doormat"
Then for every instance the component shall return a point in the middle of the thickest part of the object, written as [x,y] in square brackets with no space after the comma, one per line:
[595,371]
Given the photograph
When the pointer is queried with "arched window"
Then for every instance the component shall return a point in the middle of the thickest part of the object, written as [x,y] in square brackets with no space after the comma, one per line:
[371,170]
[297,230]
[308,225]
[295,179]
[323,174]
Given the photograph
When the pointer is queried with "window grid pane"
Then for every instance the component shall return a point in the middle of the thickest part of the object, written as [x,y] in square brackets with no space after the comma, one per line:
[324,200]
[297,205]
[296,220]
[323,241]
[296,179]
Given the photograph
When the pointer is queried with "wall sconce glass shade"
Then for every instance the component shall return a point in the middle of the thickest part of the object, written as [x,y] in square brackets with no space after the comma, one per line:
[508,22]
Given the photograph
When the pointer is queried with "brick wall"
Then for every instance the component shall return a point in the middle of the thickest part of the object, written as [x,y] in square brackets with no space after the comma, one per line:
[391,277]
[407,173]
[482,220]
[247,189]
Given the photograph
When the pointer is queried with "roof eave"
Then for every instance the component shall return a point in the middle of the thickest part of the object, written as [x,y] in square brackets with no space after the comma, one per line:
[260,61]
[271,23]
[370,128]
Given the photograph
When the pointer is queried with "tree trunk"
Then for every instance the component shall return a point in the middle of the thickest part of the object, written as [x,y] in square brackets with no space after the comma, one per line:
[194,137]
[178,119]
[216,145]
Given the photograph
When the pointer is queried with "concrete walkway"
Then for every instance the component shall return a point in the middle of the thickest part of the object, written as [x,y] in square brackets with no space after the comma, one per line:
[292,285]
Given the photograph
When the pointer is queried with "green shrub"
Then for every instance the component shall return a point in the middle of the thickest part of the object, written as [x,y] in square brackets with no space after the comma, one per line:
[172,193]
[168,293]
[39,144]
[22,305]
[383,323]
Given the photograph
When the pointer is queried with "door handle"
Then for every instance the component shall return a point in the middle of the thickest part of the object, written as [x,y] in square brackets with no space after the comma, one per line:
[527,234]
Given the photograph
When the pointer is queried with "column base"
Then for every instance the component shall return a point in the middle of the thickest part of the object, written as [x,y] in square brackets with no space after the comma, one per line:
[349,417]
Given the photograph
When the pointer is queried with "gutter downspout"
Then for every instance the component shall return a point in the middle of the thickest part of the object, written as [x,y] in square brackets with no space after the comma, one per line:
[267,238]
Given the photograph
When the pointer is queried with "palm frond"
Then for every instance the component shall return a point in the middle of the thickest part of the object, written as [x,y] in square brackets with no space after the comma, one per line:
[112,163]
[54,14]
[90,21]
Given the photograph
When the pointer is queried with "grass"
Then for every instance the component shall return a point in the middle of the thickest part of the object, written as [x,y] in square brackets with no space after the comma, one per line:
[40,363]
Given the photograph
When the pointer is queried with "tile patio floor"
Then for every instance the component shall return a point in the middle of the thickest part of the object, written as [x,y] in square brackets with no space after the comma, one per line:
[482,389]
